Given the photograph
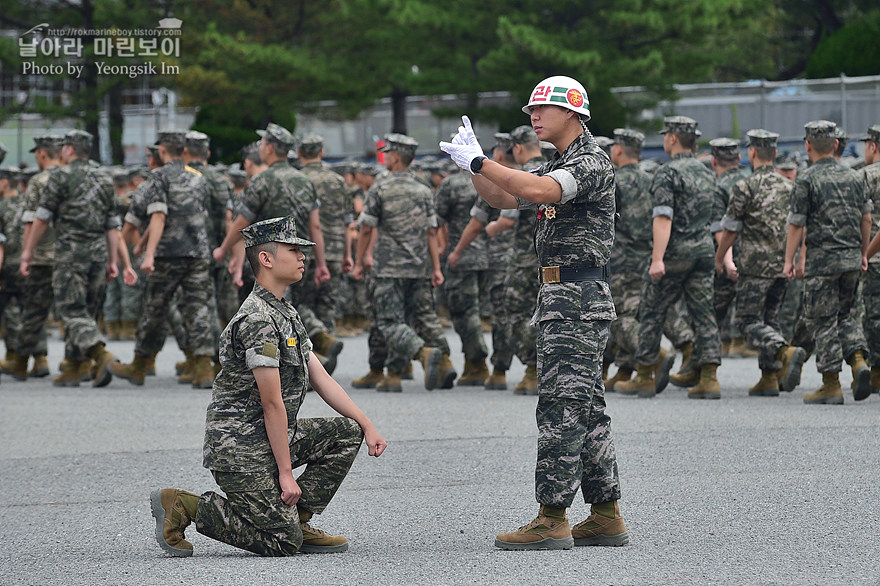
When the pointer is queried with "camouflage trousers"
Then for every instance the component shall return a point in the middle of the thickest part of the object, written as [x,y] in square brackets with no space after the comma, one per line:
[224,290]
[626,289]
[830,318]
[253,517]
[399,303]
[197,306]
[123,302]
[36,304]
[11,298]
[375,340]
[871,299]
[792,307]
[725,305]
[758,300]
[514,317]
[492,283]
[79,295]
[463,300]
[575,445]
[693,279]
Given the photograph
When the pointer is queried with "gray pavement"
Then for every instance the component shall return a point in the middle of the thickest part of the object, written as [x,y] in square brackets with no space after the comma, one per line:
[741,490]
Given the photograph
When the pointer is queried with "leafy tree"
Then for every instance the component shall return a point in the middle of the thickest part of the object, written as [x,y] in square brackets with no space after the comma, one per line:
[852,50]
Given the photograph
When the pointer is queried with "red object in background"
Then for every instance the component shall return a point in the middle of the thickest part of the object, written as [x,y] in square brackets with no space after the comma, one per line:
[380,156]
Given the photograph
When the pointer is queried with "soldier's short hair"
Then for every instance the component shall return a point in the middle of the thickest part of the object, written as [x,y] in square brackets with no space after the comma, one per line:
[253,254]
[251,153]
[198,145]
[823,145]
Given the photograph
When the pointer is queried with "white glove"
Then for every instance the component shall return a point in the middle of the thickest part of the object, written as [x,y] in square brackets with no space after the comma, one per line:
[464,147]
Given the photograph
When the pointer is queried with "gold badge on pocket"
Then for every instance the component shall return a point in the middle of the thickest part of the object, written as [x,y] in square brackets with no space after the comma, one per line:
[291,342]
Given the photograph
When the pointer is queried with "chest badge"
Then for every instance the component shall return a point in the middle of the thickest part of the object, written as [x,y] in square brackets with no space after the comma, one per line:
[550,212]
[291,342]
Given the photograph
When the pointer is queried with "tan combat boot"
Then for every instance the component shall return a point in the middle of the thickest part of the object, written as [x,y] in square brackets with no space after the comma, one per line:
[317,541]
[861,374]
[792,359]
[70,373]
[497,381]
[604,526]
[127,330]
[708,387]
[86,370]
[829,393]
[390,383]
[622,375]
[135,373]
[151,365]
[642,383]
[101,359]
[687,351]
[739,347]
[447,372]
[113,329]
[173,510]
[430,359]
[686,379]
[329,347]
[407,373]
[768,386]
[17,366]
[529,383]
[665,362]
[203,373]
[369,380]
[40,367]
[542,533]
[181,366]
[189,370]
[475,373]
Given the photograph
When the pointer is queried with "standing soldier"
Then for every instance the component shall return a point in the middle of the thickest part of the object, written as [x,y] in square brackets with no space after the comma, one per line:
[335,208]
[871,279]
[574,190]
[79,199]
[754,219]
[176,257]
[38,295]
[11,228]
[401,209]
[830,201]
[682,263]
[454,199]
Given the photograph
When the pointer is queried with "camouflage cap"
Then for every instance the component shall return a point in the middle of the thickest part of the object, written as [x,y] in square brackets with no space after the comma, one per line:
[198,139]
[153,150]
[873,134]
[138,171]
[820,129]
[312,140]
[399,142]
[274,230]
[78,138]
[7,172]
[503,141]
[174,138]
[786,162]
[679,125]
[723,146]
[523,134]
[604,142]
[367,169]
[278,134]
[235,170]
[628,137]
[47,140]
[760,138]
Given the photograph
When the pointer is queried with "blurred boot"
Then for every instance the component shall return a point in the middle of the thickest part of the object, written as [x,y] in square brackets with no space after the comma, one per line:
[829,393]
[861,376]
[203,372]
[369,380]
[708,387]
[497,381]
[529,383]
[622,375]
[475,373]
[767,386]
[390,383]
[40,367]
[135,373]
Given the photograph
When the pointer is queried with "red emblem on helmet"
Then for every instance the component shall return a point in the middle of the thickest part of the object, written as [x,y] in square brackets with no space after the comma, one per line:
[575,98]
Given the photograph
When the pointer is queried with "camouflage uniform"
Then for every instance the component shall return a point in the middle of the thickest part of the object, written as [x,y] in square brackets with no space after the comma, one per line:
[336,213]
[756,210]
[454,199]
[11,292]
[123,303]
[575,446]
[871,279]
[402,209]
[725,287]
[80,200]
[682,191]
[830,200]
[267,332]
[38,294]
[181,260]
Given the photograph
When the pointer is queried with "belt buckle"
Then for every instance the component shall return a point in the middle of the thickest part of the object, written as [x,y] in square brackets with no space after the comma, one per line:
[550,275]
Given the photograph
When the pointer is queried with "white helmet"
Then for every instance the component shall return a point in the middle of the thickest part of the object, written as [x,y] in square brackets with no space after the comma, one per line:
[562,91]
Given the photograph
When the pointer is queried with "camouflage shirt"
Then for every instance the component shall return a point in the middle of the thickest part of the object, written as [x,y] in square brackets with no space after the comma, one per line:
[402,209]
[499,249]
[280,191]
[44,253]
[723,184]
[633,231]
[80,200]
[830,199]
[683,189]
[454,199]
[872,176]
[335,207]
[523,253]
[757,211]
[576,232]
[11,230]
[265,332]
[219,195]
[181,193]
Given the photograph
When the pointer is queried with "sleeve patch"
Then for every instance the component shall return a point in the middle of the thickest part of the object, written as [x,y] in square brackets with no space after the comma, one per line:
[271,350]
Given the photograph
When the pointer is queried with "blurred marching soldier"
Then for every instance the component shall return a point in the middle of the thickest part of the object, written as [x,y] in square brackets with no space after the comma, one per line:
[871,279]
[11,232]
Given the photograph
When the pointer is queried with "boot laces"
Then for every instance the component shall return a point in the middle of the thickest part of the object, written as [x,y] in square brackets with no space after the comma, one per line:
[308,528]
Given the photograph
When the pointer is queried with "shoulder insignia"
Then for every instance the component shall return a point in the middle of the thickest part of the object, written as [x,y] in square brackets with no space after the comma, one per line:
[191,170]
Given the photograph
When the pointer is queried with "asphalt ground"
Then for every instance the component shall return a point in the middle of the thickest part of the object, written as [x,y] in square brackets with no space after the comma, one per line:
[737,491]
